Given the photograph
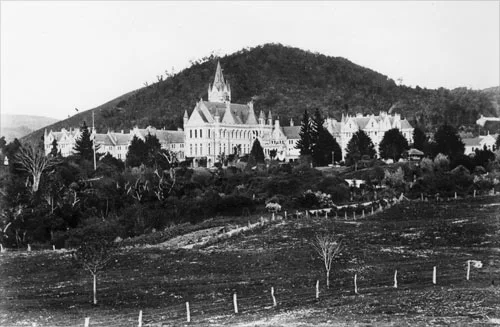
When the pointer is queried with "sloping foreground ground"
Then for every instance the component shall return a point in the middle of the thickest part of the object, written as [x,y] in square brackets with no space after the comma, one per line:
[46,289]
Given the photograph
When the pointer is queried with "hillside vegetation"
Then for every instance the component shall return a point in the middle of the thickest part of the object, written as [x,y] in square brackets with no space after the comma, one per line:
[286,80]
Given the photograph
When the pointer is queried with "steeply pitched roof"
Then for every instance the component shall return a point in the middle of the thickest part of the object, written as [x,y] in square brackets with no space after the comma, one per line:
[291,132]
[473,141]
[239,112]
[405,124]
[362,121]
[175,136]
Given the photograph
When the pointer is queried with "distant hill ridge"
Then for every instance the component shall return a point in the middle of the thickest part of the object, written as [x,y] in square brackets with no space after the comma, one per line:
[17,126]
[287,81]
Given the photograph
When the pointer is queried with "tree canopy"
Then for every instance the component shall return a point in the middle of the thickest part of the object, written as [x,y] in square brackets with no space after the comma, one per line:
[419,139]
[324,147]
[84,144]
[257,152]
[304,144]
[393,145]
[448,142]
[360,145]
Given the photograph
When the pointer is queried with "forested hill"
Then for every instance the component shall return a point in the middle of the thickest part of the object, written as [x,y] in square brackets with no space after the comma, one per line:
[286,80]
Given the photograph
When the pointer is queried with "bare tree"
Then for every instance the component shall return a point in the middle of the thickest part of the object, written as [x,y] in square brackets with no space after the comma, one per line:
[328,248]
[94,254]
[35,162]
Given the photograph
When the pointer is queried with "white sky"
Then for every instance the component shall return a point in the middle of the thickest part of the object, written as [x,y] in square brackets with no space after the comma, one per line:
[56,56]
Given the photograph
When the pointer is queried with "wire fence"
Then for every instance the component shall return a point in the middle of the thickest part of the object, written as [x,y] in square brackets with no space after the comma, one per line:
[414,274]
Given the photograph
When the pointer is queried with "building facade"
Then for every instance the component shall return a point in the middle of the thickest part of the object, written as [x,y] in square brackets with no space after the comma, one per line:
[374,126]
[217,128]
[116,144]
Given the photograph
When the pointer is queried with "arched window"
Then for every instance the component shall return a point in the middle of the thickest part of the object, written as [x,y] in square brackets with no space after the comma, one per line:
[201,134]
[195,133]
[191,133]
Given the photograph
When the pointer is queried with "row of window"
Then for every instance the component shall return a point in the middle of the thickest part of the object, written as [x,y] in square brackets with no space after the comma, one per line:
[234,134]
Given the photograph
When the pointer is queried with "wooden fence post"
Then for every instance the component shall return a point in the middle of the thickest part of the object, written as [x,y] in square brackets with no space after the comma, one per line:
[396,278]
[235,302]
[422,197]
[87,322]
[317,290]
[326,214]
[474,193]
[285,215]
[355,283]
[468,269]
[345,214]
[188,313]
[434,275]
[354,215]
[274,298]
[372,210]
[455,195]
[363,214]
[29,248]
[2,250]
[53,247]
[140,319]
[272,218]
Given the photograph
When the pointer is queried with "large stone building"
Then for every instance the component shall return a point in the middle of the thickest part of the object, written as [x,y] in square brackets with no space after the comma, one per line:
[374,126]
[116,144]
[218,127]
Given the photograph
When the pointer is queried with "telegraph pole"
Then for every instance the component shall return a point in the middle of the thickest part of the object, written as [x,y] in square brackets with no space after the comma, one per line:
[93,142]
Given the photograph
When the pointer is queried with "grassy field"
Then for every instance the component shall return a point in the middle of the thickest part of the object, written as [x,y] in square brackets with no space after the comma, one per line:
[47,289]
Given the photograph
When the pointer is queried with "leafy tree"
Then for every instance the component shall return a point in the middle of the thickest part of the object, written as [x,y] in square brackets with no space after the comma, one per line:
[257,152]
[448,142]
[393,144]
[324,147]
[419,139]
[137,152]
[54,151]
[483,157]
[497,143]
[360,145]
[305,142]
[84,146]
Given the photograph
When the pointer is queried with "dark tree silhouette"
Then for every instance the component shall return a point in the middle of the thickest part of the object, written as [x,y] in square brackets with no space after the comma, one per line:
[153,148]
[359,145]
[53,150]
[84,144]
[448,142]
[419,139]
[497,143]
[305,142]
[137,152]
[324,147]
[257,152]
[393,145]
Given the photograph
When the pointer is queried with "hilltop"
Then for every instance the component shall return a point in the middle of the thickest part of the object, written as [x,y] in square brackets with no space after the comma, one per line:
[285,80]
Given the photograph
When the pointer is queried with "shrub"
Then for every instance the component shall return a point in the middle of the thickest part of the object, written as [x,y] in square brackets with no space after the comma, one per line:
[441,162]
[395,179]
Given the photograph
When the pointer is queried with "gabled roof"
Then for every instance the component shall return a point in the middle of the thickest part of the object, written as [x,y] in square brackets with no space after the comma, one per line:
[175,136]
[473,141]
[405,124]
[239,112]
[291,132]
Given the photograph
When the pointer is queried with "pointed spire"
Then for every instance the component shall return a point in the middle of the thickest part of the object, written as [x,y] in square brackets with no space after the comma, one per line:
[219,78]
[270,118]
